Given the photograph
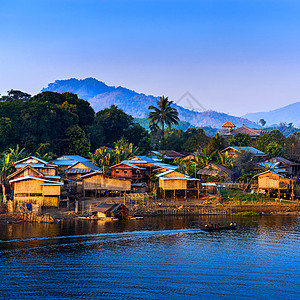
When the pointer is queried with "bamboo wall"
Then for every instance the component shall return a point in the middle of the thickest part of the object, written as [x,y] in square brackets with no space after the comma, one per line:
[31,191]
[273,181]
[99,181]
[173,184]
[174,174]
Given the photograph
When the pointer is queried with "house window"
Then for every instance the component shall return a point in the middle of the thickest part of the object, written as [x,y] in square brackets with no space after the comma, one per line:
[125,172]
[117,172]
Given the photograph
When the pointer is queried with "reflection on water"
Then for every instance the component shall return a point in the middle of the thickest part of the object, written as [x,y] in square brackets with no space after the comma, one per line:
[153,258]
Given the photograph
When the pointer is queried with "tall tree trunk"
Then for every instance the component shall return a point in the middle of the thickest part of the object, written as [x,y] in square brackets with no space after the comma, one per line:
[163,136]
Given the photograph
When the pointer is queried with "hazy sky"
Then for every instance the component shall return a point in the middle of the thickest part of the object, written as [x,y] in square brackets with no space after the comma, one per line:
[232,56]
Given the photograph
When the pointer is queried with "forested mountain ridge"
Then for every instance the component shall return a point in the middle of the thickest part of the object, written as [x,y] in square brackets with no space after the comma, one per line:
[101,96]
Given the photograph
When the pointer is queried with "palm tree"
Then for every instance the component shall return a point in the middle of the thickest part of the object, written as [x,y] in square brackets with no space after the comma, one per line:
[101,158]
[204,159]
[164,115]
[225,159]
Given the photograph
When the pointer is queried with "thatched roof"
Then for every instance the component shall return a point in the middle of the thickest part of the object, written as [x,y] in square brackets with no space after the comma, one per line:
[215,169]
[228,124]
[249,131]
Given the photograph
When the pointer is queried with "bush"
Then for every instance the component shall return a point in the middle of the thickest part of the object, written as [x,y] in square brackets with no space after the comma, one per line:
[229,196]
[245,214]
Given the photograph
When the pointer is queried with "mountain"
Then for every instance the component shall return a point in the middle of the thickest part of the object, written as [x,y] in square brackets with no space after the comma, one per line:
[286,114]
[102,96]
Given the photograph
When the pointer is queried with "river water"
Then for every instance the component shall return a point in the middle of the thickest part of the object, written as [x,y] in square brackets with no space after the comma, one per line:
[154,258]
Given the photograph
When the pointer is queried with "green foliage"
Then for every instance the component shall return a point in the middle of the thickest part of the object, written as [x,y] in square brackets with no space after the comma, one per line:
[196,139]
[262,122]
[273,150]
[185,167]
[78,143]
[225,159]
[273,136]
[216,143]
[113,123]
[204,159]
[241,140]
[124,150]
[245,214]
[43,118]
[164,114]
[175,139]
[140,137]
[229,196]
[101,158]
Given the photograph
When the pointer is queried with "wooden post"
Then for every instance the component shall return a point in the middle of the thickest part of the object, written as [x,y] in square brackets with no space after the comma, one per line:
[198,189]
[292,190]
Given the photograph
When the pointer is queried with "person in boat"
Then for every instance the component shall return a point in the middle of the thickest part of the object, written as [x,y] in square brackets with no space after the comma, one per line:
[231,224]
[218,226]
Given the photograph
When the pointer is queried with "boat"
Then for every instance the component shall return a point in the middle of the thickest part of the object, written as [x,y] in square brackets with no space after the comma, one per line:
[230,227]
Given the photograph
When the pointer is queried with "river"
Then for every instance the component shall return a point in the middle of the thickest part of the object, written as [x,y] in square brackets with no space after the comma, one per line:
[154,258]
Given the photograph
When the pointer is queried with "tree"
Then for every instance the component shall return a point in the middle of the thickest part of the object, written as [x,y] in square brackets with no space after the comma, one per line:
[113,123]
[241,140]
[6,167]
[196,139]
[140,137]
[216,143]
[124,150]
[174,139]
[273,136]
[225,159]
[101,158]
[204,159]
[13,95]
[77,141]
[262,122]
[185,166]
[164,114]
[273,149]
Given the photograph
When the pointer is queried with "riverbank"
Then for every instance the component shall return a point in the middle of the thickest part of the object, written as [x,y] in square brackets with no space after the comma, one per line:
[166,208]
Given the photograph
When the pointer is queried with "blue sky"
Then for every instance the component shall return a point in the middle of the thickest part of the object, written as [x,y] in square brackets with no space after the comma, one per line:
[232,56]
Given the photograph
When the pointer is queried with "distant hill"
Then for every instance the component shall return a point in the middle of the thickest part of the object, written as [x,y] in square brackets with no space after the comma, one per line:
[286,114]
[102,96]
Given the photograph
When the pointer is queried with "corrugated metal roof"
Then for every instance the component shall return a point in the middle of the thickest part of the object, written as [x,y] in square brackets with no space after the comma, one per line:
[78,171]
[35,178]
[31,157]
[179,178]
[247,149]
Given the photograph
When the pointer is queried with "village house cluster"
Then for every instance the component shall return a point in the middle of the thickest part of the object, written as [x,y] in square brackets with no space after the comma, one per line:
[45,184]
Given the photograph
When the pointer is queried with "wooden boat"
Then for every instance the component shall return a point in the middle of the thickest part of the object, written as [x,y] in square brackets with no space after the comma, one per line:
[232,227]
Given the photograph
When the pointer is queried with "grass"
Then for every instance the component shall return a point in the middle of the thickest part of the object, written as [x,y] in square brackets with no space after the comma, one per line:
[245,214]
[234,196]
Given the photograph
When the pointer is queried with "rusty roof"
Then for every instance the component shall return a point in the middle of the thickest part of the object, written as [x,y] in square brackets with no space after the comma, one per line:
[228,124]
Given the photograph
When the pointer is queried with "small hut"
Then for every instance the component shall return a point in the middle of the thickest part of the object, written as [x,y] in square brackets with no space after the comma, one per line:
[229,125]
[36,190]
[174,181]
[108,210]
[94,183]
[272,182]
[217,170]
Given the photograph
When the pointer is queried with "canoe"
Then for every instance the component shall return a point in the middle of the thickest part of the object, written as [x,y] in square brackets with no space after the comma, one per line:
[219,229]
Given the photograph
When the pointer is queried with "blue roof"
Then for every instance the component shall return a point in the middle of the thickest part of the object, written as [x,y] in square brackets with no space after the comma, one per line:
[67,160]
[248,149]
